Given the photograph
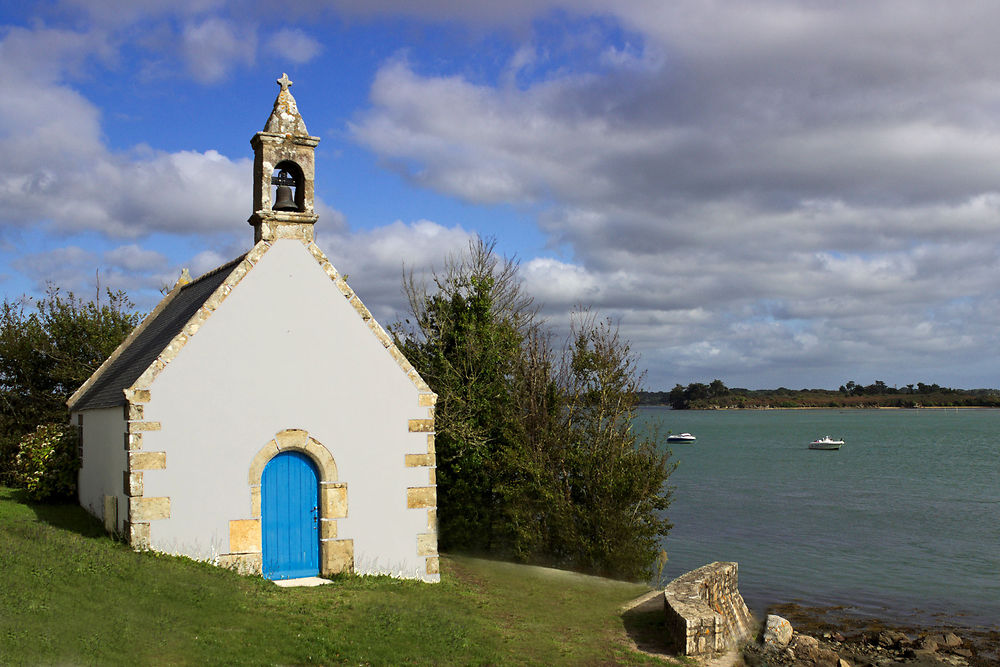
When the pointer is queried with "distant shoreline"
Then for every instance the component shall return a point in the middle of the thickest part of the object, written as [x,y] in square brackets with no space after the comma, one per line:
[824,407]
[717,396]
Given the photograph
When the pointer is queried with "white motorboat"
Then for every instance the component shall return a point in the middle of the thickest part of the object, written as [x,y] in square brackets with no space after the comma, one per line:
[681,437]
[826,442]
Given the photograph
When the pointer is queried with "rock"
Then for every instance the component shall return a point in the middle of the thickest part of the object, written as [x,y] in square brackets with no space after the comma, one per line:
[951,640]
[837,637]
[843,663]
[808,651]
[777,632]
[964,652]
[889,639]
[927,644]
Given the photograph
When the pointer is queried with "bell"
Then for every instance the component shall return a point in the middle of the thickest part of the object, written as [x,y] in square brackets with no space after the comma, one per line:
[283,199]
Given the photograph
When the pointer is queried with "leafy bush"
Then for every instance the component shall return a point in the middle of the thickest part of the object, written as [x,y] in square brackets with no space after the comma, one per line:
[47,461]
[48,348]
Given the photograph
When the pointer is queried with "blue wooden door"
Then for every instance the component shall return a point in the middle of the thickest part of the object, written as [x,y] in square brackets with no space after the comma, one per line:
[289,499]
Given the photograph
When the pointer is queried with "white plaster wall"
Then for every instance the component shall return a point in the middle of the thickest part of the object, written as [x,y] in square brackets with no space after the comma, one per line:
[104,461]
[286,350]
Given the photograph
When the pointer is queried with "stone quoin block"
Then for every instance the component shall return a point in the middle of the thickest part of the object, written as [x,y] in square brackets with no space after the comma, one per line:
[148,509]
[333,499]
[242,563]
[421,425]
[137,395]
[147,460]
[132,483]
[338,556]
[419,460]
[136,427]
[421,497]
[244,536]
[137,535]
[427,544]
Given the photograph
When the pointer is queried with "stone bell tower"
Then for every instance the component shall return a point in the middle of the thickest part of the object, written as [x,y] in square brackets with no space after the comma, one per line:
[285,165]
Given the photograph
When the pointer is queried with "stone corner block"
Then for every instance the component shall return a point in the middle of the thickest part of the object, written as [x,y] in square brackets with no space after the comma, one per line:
[245,536]
[333,498]
[148,509]
[421,425]
[147,460]
[418,460]
[427,544]
[338,556]
[137,535]
[421,497]
[245,564]
[132,483]
[137,427]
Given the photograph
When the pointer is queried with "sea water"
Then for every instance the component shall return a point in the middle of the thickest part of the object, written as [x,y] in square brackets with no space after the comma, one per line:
[902,523]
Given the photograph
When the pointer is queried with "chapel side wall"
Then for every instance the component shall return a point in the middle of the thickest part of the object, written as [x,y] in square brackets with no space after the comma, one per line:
[104,461]
[287,350]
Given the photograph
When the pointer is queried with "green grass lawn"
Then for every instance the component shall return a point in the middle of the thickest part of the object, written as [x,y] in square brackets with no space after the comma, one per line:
[70,594]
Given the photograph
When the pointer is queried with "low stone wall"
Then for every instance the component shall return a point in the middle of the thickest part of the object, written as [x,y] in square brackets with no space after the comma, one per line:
[705,611]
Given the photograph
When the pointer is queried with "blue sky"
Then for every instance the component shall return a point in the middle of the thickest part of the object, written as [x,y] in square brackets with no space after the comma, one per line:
[769,193]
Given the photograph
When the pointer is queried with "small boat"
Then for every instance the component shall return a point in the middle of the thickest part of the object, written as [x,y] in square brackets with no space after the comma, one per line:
[681,437]
[826,442]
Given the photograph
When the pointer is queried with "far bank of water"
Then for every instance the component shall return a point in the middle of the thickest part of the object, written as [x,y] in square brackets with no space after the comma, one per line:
[903,523]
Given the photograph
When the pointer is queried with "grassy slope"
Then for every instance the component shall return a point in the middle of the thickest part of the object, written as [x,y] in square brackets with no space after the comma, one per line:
[70,594]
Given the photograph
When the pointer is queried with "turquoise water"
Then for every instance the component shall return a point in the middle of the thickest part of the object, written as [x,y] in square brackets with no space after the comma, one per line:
[902,523]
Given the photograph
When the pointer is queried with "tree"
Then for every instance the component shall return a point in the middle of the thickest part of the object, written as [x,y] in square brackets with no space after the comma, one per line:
[465,338]
[717,388]
[536,458]
[46,352]
[618,487]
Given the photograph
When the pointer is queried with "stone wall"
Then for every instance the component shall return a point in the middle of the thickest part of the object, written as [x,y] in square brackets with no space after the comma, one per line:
[705,611]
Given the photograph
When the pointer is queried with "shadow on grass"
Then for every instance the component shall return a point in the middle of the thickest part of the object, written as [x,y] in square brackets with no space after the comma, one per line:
[646,625]
[64,514]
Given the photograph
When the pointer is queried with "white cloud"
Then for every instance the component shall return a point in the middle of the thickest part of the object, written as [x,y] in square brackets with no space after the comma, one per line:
[788,184]
[376,260]
[293,45]
[783,188]
[132,257]
[212,47]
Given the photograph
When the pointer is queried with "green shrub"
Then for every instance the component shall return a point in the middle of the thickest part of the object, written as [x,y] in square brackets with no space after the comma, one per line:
[47,461]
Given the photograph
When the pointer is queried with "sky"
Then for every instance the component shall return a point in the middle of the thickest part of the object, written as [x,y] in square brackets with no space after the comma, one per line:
[770,193]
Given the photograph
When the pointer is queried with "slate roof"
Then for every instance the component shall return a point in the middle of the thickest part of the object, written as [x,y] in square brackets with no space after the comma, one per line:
[154,334]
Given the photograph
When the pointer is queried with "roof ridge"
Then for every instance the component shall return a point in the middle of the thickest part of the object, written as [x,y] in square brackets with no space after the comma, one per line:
[216,270]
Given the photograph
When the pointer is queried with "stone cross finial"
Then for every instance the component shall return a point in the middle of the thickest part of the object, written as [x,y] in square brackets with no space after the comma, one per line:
[284,82]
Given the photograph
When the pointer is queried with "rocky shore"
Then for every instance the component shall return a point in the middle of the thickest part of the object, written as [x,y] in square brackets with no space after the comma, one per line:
[796,635]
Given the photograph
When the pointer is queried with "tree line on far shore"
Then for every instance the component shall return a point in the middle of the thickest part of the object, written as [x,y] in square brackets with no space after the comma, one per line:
[716,395]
